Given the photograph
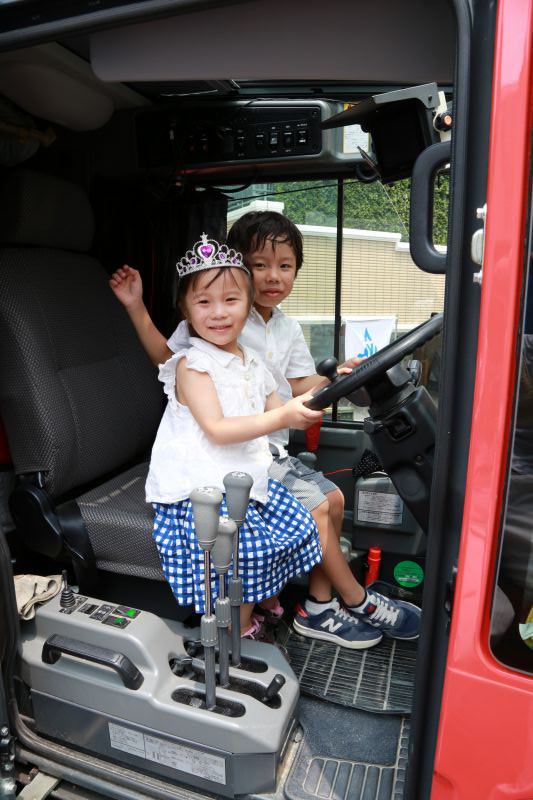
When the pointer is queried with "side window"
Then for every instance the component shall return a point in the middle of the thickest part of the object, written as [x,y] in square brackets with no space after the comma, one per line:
[512,611]
[355,296]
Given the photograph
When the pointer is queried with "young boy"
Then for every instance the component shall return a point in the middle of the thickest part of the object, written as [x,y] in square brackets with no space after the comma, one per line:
[272,248]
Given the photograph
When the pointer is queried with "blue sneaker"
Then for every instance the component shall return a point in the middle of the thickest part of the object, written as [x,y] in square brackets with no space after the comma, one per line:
[395,618]
[336,625]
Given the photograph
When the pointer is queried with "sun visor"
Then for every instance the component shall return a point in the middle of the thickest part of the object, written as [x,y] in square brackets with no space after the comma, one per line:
[53,95]
[282,40]
[48,82]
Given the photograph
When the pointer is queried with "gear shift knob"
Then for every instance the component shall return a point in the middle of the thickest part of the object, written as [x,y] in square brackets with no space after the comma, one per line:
[206,510]
[238,486]
[223,547]
[328,368]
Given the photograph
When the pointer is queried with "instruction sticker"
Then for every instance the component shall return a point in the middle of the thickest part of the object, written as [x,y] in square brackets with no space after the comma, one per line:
[380,507]
[353,138]
[175,756]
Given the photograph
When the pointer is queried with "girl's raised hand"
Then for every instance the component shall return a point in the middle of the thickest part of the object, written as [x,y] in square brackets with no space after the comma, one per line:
[298,415]
[127,285]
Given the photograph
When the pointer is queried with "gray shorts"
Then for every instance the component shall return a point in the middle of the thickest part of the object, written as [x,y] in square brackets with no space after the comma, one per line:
[307,485]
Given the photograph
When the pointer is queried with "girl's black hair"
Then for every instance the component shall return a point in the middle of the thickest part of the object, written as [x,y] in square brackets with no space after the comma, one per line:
[251,231]
[193,278]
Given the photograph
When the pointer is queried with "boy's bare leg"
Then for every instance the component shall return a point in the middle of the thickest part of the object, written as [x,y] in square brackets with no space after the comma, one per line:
[336,509]
[333,569]
[364,618]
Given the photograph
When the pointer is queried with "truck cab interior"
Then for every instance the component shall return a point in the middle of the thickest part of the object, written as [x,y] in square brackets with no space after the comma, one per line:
[125,133]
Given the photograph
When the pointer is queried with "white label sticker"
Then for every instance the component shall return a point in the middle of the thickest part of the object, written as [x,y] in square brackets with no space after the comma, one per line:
[353,138]
[381,507]
[175,756]
[127,740]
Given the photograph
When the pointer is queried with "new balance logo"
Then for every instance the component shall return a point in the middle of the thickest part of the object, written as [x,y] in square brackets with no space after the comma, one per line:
[331,625]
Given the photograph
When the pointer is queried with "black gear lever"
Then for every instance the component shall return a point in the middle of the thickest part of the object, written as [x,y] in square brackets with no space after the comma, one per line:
[328,369]
[273,689]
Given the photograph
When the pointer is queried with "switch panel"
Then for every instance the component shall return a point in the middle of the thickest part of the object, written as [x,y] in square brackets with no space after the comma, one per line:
[235,131]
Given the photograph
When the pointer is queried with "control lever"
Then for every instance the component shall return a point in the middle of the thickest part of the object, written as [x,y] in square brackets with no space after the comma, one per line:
[328,369]
[206,511]
[238,486]
[66,598]
[221,558]
[273,688]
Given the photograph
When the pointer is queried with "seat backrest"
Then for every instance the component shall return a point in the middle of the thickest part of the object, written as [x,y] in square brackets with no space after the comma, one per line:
[79,398]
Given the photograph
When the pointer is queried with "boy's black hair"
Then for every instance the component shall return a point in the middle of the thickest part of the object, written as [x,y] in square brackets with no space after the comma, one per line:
[251,231]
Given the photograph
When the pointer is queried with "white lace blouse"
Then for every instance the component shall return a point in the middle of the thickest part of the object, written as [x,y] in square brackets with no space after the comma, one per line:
[183,458]
[281,345]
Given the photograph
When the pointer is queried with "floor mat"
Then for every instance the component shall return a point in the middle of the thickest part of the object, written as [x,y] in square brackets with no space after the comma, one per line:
[348,755]
[379,679]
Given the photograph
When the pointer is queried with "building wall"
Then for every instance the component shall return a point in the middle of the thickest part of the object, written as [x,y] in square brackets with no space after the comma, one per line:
[378,277]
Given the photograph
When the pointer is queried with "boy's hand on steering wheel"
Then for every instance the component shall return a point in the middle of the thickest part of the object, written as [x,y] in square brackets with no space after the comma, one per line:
[127,286]
[348,365]
[297,416]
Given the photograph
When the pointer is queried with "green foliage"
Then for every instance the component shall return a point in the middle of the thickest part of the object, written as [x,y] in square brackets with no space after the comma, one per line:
[367,206]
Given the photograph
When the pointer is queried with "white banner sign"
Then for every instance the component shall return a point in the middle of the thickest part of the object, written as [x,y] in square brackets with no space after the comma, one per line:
[364,336]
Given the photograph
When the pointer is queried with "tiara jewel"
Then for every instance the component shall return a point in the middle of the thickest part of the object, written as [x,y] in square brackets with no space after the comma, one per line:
[207,254]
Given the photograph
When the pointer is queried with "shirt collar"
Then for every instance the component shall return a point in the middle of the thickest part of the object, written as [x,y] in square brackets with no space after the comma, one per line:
[254,314]
[222,356]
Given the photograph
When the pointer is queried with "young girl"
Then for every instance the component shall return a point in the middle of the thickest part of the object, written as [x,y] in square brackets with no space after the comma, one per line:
[222,404]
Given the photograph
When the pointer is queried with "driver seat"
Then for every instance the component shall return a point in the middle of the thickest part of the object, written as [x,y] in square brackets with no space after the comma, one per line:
[79,398]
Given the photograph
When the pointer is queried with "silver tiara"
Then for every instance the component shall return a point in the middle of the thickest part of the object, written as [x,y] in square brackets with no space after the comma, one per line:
[207,254]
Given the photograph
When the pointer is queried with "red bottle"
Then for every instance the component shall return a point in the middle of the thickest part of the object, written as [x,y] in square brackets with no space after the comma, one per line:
[374,561]
[312,436]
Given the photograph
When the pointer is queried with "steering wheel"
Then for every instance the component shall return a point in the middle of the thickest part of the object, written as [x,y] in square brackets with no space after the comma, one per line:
[380,362]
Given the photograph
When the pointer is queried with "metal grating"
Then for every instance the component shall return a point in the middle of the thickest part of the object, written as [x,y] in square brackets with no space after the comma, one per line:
[379,679]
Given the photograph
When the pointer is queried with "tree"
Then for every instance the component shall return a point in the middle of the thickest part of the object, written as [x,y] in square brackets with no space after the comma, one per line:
[367,206]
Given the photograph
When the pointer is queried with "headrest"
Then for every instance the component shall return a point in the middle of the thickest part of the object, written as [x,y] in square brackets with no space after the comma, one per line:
[44,211]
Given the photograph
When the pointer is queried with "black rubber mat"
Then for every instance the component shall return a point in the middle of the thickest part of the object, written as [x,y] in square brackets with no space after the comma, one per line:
[379,679]
[348,755]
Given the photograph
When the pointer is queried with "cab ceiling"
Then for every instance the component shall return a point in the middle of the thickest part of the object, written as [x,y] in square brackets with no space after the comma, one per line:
[382,42]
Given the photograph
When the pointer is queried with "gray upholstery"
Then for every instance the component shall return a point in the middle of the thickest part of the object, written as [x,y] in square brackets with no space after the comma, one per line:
[118,506]
[79,398]
[45,212]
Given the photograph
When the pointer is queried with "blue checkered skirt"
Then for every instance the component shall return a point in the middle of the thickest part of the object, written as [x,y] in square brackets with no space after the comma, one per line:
[278,541]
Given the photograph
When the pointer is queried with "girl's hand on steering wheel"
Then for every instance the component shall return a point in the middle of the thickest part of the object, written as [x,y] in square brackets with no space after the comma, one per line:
[297,415]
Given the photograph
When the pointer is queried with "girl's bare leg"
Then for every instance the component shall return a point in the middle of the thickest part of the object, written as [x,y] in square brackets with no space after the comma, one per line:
[246,616]
[270,602]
